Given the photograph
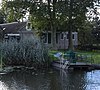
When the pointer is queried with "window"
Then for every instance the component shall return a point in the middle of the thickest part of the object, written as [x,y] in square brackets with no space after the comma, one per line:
[73,36]
[62,35]
[57,35]
[12,37]
[67,36]
[44,35]
[28,27]
[49,38]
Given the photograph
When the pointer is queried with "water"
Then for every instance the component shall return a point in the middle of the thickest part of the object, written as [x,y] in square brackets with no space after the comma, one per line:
[51,80]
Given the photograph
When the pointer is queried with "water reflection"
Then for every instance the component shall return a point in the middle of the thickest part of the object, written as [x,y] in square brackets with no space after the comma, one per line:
[3,86]
[50,80]
[93,80]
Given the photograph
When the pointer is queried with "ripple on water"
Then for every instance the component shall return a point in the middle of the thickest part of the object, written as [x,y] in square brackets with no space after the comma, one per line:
[51,80]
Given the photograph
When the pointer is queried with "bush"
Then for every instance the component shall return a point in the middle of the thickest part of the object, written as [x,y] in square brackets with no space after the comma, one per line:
[88,47]
[28,52]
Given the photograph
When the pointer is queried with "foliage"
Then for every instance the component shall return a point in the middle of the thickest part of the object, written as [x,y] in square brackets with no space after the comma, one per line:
[28,52]
[42,13]
[96,31]
[66,15]
[85,36]
[1,17]
[13,10]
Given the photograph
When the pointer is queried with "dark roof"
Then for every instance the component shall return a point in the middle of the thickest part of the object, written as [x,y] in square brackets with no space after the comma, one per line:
[26,32]
[13,27]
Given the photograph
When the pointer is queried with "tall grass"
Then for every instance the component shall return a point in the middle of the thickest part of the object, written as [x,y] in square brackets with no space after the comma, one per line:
[28,52]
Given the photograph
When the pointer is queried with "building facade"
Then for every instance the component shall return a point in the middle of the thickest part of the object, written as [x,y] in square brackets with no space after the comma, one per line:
[62,39]
[20,30]
[16,30]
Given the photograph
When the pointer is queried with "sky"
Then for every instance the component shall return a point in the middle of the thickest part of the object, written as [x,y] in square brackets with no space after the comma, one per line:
[0,1]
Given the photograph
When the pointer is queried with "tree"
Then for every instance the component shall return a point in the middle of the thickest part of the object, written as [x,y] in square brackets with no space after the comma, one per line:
[1,17]
[76,16]
[96,32]
[67,15]
[85,34]
[14,10]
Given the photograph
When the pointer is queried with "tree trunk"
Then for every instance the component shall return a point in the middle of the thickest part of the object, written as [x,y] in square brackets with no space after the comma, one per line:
[52,23]
[54,26]
[53,39]
[70,44]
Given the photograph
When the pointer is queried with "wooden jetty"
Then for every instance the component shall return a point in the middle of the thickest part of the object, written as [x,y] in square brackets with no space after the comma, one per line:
[77,65]
[72,61]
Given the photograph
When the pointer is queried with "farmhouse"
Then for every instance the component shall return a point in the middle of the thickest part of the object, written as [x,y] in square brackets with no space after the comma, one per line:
[20,30]
[62,39]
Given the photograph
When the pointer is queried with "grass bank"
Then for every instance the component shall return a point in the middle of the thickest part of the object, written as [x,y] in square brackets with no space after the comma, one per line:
[82,56]
[95,56]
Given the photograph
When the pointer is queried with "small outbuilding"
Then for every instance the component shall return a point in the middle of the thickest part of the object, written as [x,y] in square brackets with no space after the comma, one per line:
[16,30]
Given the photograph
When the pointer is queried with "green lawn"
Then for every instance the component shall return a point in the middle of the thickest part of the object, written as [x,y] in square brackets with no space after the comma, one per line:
[83,56]
[94,56]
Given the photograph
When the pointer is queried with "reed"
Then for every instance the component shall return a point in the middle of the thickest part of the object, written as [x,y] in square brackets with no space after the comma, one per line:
[28,52]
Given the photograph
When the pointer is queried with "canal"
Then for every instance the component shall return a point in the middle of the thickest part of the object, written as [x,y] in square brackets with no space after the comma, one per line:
[50,80]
